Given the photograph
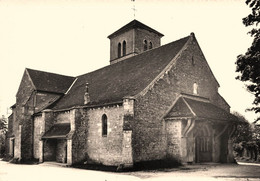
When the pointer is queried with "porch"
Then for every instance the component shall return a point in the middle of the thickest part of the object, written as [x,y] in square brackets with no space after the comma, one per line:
[199,132]
[56,144]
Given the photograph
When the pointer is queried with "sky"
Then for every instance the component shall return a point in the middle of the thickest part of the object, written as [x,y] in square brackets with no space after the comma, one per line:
[69,37]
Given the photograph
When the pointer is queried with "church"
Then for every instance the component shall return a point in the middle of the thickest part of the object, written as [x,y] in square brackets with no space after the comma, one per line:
[153,102]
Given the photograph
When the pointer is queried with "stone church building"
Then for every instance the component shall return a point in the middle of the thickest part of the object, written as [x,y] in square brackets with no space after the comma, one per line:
[152,102]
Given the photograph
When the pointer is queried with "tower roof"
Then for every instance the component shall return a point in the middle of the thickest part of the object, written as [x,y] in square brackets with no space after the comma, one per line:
[132,25]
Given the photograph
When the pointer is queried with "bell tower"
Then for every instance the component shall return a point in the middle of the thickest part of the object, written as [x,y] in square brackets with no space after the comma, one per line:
[132,39]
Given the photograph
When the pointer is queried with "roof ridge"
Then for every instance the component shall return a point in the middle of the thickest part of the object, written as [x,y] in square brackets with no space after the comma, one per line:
[162,46]
[128,59]
[134,24]
[195,97]
[48,72]
[49,82]
[126,78]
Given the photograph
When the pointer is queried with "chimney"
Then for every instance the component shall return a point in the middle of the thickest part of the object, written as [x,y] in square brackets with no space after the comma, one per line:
[86,95]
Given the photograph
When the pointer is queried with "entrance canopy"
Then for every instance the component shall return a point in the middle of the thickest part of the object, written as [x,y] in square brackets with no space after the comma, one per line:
[58,131]
[200,109]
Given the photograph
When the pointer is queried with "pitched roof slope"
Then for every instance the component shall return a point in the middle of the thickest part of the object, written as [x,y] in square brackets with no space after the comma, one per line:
[209,111]
[134,24]
[57,131]
[125,78]
[186,107]
[50,82]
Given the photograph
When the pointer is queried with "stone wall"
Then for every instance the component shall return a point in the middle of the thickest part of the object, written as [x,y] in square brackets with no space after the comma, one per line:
[24,110]
[134,43]
[37,133]
[173,131]
[100,149]
[220,101]
[149,137]
[62,117]
[191,67]
[27,102]
[126,36]
[141,35]
[79,140]
[10,125]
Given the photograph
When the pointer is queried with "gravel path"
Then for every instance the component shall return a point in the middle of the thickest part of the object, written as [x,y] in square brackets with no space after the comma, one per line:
[49,172]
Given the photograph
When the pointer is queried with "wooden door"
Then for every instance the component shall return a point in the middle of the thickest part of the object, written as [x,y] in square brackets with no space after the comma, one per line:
[203,149]
[203,143]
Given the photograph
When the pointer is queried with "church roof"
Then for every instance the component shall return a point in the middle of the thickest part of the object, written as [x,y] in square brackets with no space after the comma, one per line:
[126,78]
[57,131]
[50,82]
[132,25]
[187,107]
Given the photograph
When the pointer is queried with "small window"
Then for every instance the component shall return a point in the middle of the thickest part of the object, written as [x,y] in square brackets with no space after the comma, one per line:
[119,50]
[192,61]
[145,45]
[150,45]
[104,125]
[195,88]
[124,48]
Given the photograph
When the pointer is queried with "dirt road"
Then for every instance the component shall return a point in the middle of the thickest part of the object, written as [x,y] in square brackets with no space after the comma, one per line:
[47,172]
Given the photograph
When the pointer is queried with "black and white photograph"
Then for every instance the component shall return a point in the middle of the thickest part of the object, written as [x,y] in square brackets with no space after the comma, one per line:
[126,90]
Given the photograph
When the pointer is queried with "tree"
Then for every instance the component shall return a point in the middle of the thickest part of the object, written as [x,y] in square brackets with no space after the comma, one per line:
[248,65]
[3,130]
[3,125]
[246,138]
[244,131]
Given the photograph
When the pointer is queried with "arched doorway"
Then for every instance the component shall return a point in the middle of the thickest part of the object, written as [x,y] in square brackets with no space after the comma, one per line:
[203,144]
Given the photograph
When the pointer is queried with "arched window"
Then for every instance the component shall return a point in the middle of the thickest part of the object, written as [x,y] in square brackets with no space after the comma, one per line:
[119,50]
[192,61]
[104,125]
[145,45]
[195,88]
[150,45]
[124,48]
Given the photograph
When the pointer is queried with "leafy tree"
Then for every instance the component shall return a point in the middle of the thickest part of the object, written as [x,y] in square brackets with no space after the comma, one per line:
[248,65]
[246,137]
[3,125]
[244,131]
[3,130]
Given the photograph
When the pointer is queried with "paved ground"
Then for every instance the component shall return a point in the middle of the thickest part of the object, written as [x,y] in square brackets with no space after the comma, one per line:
[47,172]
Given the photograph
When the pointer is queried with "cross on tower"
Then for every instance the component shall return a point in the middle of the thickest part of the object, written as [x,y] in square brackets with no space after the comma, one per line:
[134,9]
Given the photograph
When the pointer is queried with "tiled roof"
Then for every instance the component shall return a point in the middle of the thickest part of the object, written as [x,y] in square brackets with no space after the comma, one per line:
[50,82]
[126,78]
[186,107]
[132,25]
[57,131]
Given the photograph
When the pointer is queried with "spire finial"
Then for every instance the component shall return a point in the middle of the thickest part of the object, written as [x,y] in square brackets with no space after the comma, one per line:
[134,9]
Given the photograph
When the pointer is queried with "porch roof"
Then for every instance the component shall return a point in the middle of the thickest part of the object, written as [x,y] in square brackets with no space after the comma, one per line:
[57,131]
[187,107]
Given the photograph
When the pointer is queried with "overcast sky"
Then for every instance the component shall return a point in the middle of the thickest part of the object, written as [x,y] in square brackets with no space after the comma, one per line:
[70,37]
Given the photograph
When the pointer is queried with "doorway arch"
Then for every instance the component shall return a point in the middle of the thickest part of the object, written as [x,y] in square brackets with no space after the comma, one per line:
[203,144]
